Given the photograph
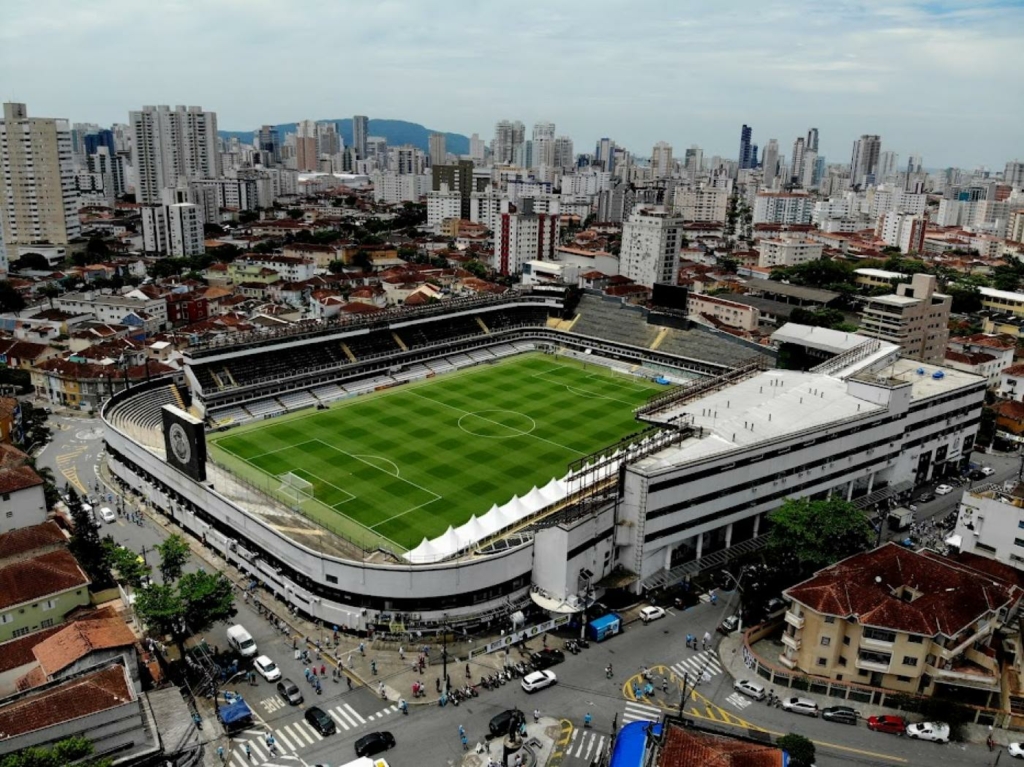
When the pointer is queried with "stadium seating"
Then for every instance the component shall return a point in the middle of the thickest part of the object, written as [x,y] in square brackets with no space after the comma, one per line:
[702,344]
[614,321]
[297,400]
[142,415]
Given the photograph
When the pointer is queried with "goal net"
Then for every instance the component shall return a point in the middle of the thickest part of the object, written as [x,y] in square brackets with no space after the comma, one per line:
[295,487]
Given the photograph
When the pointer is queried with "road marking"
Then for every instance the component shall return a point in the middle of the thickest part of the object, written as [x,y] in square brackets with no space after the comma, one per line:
[738,700]
[637,712]
[354,713]
[343,713]
[279,735]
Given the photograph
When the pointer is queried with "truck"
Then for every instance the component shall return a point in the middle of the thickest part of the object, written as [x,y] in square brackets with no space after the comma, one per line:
[606,626]
[900,518]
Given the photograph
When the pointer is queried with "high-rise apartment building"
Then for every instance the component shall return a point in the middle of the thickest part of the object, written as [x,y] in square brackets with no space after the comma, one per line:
[477,148]
[563,153]
[306,154]
[170,144]
[864,160]
[902,230]
[770,162]
[543,130]
[502,145]
[360,130]
[604,154]
[914,164]
[746,158]
[328,140]
[812,140]
[522,236]
[268,141]
[661,160]
[438,145]
[888,165]
[37,196]
[694,159]
[796,168]
[916,317]
[650,246]
[457,178]
[1013,174]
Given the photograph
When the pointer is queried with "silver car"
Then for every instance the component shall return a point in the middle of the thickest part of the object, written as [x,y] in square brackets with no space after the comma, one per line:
[751,689]
[804,706]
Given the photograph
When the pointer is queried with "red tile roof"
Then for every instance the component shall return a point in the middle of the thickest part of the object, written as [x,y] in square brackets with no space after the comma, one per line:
[19,652]
[1012,410]
[79,639]
[89,694]
[32,579]
[1001,342]
[1014,370]
[976,358]
[862,586]
[689,748]
[20,478]
[26,539]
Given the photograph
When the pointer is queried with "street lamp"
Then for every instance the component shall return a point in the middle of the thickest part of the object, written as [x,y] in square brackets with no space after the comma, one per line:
[444,651]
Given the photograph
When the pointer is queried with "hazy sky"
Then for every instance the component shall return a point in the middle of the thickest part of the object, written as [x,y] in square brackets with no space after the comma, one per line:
[941,79]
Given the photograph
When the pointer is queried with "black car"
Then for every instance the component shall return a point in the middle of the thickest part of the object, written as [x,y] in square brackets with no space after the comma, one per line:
[841,714]
[975,475]
[288,690]
[547,658]
[374,742]
[321,721]
[501,723]
[926,497]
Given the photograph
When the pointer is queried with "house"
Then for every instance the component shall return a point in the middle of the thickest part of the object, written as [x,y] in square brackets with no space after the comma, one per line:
[22,500]
[38,590]
[22,355]
[902,620]
[85,385]
[983,354]
[82,644]
[10,422]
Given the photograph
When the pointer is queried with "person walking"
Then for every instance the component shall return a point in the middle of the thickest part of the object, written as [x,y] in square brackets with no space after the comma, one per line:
[536,715]
[323,670]
[465,743]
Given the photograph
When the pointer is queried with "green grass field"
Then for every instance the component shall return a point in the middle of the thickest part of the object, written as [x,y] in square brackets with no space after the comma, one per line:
[404,463]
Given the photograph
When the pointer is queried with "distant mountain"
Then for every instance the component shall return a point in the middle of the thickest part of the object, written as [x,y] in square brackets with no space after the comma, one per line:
[397,132]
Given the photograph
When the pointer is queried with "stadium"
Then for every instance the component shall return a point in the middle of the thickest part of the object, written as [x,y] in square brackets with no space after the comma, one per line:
[463,460]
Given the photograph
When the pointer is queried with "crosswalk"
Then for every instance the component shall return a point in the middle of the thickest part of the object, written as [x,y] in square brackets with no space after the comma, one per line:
[697,664]
[638,712]
[586,745]
[293,737]
[738,700]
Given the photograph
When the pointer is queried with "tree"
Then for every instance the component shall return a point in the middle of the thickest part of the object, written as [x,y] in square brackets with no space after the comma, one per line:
[295,213]
[174,553]
[819,318]
[815,534]
[336,267]
[477,268]
[363,260]
[966,298]
[190,606]
[63,752]
[31,261]
[131,568]
[820,273]
[248,216]
[799,748]
[50,291]
[10,299]
[728,264]
[85,542]
[213,230]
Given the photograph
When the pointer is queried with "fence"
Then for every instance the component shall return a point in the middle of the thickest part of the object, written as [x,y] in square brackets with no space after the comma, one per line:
[874,696]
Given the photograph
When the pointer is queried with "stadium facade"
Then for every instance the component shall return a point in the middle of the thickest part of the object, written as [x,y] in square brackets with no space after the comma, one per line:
[728,449]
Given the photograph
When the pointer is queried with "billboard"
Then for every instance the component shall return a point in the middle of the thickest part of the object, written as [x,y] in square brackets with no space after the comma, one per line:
[185,442]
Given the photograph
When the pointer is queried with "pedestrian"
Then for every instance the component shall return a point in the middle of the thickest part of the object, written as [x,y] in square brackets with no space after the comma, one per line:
[545,640]
[362,649]
[664,685]
[465,743]
[467,672]
[248,752]
[306,670]
[350,660]
[348,680]
[707,638]
[220,753]
[437,684]
[536,715]
[714,598]
[462,731]
[401,652]
[373,667]
[314,672]
[317,686]
[323,670]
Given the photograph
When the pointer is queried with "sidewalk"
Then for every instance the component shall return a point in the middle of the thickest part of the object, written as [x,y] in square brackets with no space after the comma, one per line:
[730,653]
[540,743]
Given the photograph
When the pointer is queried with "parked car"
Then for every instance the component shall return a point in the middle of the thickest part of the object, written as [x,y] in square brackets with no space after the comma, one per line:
[538,680]
[729,625]
[650,613]
[804,706]
[321,721]
[290,691]
[934,731]
[547,658]
[926,497]
[988,471]
[1016,750]
[775,607]
[754,690]
[500,723]
[374,742]
[943,490]
[896,725]
[841,714]
[266,668]
[975,474]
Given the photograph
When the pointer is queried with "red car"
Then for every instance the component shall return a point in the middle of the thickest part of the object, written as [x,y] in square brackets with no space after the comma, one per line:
[896,725]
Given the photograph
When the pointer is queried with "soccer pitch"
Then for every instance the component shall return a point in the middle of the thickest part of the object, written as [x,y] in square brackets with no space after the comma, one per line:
[402,464]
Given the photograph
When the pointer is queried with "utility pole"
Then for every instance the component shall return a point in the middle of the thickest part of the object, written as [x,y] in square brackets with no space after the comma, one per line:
[444,653]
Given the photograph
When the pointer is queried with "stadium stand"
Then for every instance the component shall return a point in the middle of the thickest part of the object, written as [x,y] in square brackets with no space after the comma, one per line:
[702,344]
[142,416]
[614,321]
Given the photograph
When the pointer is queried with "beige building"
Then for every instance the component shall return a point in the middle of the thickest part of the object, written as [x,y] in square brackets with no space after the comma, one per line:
[902,620]
[730,313]
[787,251]
[37,180]
[915,317]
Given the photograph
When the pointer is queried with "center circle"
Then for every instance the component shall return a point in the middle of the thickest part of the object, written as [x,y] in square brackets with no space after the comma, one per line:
[497,424]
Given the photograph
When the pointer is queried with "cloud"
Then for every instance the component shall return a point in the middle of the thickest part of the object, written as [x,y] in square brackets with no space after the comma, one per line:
[935,78]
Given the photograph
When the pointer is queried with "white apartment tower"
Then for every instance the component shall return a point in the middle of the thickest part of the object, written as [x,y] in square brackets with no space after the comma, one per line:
[770,162]
[38,180]
[864,160]
[438,149]
[174,230]
[650,246]
[661,160]
[360,130]
[477,148]
[524,236]
[169,144]
[564,157]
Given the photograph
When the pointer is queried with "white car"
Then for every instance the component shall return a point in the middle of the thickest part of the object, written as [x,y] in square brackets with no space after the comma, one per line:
[804,706]
[649,614]
[935,731]
[538,680]
[751,689]
[943,490]
[1016,750]
[988,471]
[266,668]
[108,515]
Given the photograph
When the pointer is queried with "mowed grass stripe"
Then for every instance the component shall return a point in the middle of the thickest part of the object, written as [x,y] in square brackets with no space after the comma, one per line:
[459,443]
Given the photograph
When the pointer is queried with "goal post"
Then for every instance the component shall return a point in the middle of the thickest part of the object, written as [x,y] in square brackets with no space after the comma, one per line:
[295,487]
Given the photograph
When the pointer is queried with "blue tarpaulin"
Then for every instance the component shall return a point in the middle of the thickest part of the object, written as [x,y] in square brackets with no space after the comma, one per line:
[235,713]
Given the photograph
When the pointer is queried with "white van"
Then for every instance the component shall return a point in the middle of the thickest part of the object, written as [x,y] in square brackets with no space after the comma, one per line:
[241,640]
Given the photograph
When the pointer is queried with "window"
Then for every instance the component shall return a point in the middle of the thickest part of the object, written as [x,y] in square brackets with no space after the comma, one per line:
[1019,542]
[902,678]
[842,661]
[846,641]
[830,619]
[49,604]
[10,514]
[915,639]
[331,578]
[826,641]
[879,635]
[20,632]
[822,661]
[6,618]
[45,624]
[909,660]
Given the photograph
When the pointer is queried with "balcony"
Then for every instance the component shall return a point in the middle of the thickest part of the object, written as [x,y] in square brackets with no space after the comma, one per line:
[787,661]
[794,620]
[869,664]
[875,644]
[792,642]
[965,675]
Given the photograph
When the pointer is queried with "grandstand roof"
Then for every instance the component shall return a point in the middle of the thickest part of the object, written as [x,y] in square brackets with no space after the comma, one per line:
[815,295]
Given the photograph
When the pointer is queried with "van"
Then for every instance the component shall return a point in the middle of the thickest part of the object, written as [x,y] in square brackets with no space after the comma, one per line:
[241,640]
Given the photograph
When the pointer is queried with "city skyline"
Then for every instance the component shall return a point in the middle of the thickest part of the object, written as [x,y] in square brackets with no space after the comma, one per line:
[847,68]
